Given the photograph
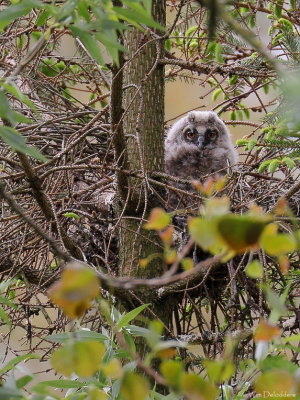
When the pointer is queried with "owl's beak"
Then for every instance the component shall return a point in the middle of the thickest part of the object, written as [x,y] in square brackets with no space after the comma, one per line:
[200,143]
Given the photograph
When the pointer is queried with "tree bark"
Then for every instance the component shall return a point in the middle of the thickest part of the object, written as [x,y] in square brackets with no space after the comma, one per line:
[143,133]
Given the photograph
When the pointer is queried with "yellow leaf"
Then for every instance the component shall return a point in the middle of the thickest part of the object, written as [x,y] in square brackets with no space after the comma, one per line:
[208,186]
[219,370]
[187,263]
[266,331]
[278,244]
[89,357]
[158,219]
[166,353]
[97,394]
[170,256]
[197,185]
[196,388]
[273,383]
[75,290]
[281,207]
[83,358]
[241,232]
[167,235]
[270,229]
[172,370]
[254,270]
[284,264]
[217,206]
[134,387]
[63,361]
[220,182]
[143,262]
[113,369]
[203,232]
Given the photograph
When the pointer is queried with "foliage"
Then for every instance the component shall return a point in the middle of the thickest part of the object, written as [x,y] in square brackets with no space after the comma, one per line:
[231,269]
[104,365]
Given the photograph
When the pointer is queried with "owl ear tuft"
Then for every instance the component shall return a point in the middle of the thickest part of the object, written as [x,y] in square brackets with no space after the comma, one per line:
[213,117]
[191,116]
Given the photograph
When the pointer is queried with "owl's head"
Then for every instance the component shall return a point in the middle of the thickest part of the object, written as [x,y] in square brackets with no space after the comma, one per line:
[203,130]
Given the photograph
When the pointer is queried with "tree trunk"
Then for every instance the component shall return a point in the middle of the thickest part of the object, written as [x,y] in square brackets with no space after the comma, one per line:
[143,133]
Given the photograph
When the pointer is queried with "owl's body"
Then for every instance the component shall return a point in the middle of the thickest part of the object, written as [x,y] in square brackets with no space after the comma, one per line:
[197,145]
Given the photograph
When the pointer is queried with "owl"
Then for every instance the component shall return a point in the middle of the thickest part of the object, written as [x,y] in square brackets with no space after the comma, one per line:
[197,145]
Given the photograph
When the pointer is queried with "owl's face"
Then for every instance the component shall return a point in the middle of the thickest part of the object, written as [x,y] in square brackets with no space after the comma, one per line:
[203,130]
[202,140]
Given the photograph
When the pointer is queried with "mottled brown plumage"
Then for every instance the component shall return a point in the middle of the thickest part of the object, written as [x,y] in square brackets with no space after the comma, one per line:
[197,145]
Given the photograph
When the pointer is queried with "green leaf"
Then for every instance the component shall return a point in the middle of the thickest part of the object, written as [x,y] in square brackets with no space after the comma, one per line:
[216,93]
[246,112]
[241,142]
[211,47]
[4,317]
[129,340]
[10,393]
[276,303]
[59,384]
[21,118]
[137,330]
[17,141]
[134,387]
[124,321]
[251,144]
[12,363]
[274,164]
[42,18]
[254,270]
[218,53]
[276,40]
[288,25]
[277,11]
[277,362]
[13,89]
[78,335]
[266,89]
[168,44]
[15,11]
[89,42]
[252,22]
[5,110]
[137,17]
[232,115]
[71,215]
[4,300]
[293,4]
[83,10]
[292,338]
[21,382]
[289,162]
[112,45]
[263,166]
[232,80]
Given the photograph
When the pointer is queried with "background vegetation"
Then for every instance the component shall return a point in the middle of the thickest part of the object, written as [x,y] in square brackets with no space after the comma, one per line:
[84,202]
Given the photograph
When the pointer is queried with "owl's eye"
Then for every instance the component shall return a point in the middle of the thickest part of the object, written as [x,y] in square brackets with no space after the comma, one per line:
[190,134]
[211,134]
